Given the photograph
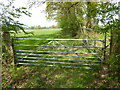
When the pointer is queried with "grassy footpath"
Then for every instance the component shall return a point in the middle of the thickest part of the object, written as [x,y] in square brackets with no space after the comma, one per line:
[45,77]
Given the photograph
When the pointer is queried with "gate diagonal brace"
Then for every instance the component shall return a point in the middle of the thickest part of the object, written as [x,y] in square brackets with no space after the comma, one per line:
[49,42]
[56,42]
[64,46]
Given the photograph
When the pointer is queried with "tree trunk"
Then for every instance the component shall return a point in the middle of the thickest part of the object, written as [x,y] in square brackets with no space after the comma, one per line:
[115,43]
[8,46]
[115,52]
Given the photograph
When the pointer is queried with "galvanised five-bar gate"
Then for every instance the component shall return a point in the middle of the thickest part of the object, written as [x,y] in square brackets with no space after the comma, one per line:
[68,53]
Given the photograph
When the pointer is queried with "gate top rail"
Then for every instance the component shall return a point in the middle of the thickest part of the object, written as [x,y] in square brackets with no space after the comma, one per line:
[59,39]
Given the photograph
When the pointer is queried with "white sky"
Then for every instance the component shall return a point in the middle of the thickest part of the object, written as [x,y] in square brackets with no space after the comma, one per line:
[38,15]
[37,18]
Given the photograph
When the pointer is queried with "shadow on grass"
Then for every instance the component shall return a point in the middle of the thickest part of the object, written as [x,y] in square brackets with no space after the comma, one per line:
[51,77]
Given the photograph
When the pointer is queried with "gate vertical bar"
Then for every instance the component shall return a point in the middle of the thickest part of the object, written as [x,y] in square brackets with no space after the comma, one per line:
[94,41]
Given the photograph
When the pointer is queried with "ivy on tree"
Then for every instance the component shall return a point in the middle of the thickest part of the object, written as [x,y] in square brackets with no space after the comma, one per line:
[9,13]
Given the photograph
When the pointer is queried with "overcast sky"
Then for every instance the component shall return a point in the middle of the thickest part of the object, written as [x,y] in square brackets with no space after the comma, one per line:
[37,18]
[38,15]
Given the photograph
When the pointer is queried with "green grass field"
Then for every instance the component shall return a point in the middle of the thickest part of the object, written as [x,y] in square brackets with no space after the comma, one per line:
[47,77]
[41,33]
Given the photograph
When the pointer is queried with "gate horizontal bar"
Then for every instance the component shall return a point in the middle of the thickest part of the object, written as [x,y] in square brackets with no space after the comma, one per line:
[53,65]
[54,55]
[58,62]
[54,52]
[59,46]
[58,59]
[59,39]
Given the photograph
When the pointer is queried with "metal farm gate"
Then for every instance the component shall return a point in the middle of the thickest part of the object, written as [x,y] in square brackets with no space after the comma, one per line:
[68,53]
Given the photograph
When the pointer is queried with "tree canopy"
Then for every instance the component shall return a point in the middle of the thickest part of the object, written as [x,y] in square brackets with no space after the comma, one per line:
[73,16]
[8,15]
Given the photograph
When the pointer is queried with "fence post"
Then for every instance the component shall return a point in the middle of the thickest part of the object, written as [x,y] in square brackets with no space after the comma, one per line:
[14,54]
[105,46]
[0,59]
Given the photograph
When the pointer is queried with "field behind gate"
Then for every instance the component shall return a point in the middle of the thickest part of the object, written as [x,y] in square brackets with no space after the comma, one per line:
[54,77]
[83,52]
